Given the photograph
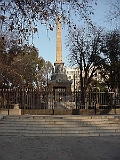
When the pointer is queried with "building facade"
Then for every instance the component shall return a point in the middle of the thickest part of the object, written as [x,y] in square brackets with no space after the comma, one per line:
[73,75]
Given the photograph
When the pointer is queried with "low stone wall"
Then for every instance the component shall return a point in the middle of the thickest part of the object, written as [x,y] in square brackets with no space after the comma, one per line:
[86,111]
[63,112]
[4,111]
[108,111]
[56,111]
[37,111]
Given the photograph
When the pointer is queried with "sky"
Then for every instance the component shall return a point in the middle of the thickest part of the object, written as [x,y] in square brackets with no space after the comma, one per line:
[46,41]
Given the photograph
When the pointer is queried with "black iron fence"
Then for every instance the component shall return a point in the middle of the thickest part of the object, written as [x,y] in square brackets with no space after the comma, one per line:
[101,100]
[28,98]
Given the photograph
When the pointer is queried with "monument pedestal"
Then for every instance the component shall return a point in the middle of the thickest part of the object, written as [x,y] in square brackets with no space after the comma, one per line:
[15,110]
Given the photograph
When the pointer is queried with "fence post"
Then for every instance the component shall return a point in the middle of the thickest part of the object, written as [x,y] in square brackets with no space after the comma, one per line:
[23,96]
[115,101]
[76,99]
[95,106]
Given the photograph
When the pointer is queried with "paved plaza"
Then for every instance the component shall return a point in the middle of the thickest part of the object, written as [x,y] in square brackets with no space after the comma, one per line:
[59,148]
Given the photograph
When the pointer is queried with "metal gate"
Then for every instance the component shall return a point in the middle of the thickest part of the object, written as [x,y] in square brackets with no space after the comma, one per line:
[35,101]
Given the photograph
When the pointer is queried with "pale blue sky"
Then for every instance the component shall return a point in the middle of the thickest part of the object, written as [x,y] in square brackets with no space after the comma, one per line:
[46,43]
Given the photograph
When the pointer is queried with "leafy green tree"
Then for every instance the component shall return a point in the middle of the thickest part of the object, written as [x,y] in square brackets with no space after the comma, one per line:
[44,74]
[111,50]
[20,67]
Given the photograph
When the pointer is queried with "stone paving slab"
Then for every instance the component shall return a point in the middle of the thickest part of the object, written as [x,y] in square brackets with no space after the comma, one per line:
[59,148]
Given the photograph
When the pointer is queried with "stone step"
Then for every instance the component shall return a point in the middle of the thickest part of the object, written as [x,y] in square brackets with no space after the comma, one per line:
[60,125]
[45,123]
[57,119]
[96,120]
[17,126]
[48,125]
[57,130]
[60,134]
[110,123]
[64,117]
[60,120]
[46,134]
[117,129]
[92,117]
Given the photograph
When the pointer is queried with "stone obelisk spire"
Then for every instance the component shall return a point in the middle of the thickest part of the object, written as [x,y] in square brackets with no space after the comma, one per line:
[58,62]
[59,81]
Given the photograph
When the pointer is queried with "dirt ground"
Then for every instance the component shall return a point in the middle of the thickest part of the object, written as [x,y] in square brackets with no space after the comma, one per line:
[59,148]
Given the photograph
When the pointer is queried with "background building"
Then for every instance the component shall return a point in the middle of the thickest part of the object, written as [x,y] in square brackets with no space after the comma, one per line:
[73,74]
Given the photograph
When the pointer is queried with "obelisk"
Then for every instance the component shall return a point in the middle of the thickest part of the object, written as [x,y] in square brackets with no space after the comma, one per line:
[59,80]
[58,63]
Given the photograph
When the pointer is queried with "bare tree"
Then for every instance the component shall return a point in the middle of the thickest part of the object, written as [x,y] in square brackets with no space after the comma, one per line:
[114,13]
[85,52]
[23,16]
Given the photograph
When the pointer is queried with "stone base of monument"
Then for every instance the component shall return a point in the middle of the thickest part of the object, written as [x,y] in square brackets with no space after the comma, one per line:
[4,111]
[15,110]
